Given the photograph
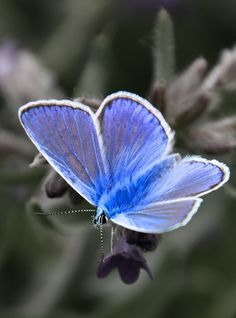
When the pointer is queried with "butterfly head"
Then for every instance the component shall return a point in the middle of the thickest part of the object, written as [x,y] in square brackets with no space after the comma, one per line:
[100,218]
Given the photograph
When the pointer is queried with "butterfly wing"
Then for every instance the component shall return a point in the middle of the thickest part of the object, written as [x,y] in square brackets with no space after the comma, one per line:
[171,202]
[159,217]
[135,134]
[133,191]
[191,176]
[66,133]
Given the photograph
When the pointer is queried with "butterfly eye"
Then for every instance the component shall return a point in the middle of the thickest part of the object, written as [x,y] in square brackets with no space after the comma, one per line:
[100,219]
[103,219]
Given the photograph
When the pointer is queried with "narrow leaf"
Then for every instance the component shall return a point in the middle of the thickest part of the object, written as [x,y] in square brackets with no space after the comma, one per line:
[164,51]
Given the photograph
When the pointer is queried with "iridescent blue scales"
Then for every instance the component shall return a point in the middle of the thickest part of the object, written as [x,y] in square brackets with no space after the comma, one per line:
[119,160]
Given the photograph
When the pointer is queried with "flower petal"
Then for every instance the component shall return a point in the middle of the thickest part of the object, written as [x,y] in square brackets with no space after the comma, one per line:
[127,258]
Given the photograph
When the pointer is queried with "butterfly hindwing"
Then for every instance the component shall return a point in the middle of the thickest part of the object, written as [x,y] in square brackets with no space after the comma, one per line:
[173,198]
[191,176]
[160,217]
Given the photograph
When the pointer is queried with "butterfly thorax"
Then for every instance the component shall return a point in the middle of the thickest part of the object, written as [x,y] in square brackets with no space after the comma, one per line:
[100,218]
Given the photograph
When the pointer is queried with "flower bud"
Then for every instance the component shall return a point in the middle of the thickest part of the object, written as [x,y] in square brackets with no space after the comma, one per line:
[38,161]
[224,74]
[213,138]
[147,242]
[55,185]
[183,93]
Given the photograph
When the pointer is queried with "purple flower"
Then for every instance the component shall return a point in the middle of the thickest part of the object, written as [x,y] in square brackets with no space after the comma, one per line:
[127,258]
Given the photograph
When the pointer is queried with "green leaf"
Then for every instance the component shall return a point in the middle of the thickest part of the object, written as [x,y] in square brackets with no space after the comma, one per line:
[164,48]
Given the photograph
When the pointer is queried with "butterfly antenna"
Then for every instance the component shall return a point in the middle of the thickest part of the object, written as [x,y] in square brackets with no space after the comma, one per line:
[101,243]
[64,212]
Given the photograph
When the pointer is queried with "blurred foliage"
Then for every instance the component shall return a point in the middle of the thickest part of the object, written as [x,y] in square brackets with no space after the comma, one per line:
[89,49]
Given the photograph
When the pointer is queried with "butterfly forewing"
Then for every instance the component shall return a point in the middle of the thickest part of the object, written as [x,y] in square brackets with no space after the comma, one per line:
[135,134]
[66,134]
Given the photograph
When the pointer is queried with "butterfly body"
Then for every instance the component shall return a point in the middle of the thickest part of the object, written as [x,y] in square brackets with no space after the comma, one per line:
[118,160]
[100,217]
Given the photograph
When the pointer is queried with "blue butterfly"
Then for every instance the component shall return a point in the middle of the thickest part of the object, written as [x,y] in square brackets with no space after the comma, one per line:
[119,160]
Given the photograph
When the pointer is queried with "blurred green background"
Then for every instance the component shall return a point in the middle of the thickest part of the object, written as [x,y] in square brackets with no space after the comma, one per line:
[76,48]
